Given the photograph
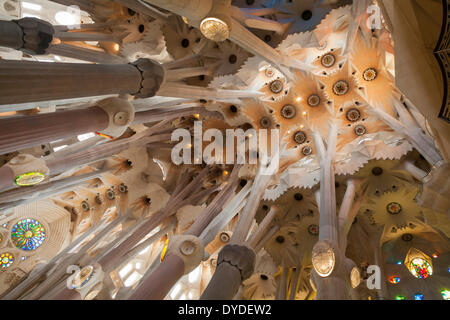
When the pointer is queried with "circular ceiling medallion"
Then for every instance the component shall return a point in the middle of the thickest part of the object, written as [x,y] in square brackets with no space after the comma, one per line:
[370,74]
[288,111]
[307,150]
[328,60]
[85,206]
[360,130]
[265,122]
[269,72]
[28,234]
[6,260]
[224,237]
[313,229]
[313,100]
[187,248]
[341,88]
[29,179]
[300,137]
[353,115]
[121,118]
[123,188]
[276,86]
[110,194]
[394,208]
[407,237]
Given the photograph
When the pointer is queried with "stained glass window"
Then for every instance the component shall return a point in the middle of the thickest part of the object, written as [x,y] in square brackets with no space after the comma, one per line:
[418,296]
[394,279]
[420,268]
[6,259]
[28,234]
[445,294]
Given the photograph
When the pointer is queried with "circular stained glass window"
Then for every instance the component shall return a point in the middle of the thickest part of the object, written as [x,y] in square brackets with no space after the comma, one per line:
[341,88]
[28,234]
[328,60]
[6,259]
[394,279]
[420,268]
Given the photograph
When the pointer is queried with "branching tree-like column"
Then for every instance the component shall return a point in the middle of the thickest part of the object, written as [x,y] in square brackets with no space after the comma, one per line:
[188,247]
[237,260]
[215,21]
[29,81]
[329,274]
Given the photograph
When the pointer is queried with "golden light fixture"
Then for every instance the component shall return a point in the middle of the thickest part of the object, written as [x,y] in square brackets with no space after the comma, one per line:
[215,29]
[355,277]
[323,259]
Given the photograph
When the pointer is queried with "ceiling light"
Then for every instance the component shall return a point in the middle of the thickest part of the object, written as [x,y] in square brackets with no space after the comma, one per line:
[65,18]
[31,6]
[215,29]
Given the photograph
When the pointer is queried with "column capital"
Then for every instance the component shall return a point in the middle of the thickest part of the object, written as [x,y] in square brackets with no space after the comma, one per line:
[153,76]
[120,113]
[240,257]
[37,35]
[189,248]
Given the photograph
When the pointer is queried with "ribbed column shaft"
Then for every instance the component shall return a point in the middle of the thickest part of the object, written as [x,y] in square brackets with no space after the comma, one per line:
[24,132]
[224,284]
[158,284]
[30,81]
